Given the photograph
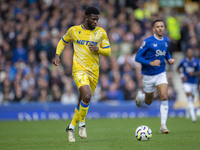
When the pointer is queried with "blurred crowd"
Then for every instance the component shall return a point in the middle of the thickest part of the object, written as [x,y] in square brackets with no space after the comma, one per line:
[31,29]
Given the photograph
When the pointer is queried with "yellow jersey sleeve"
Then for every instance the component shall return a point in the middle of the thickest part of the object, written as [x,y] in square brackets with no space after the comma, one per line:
[64,40]
[60,47]
[105,42]
[68,36]
[104,48]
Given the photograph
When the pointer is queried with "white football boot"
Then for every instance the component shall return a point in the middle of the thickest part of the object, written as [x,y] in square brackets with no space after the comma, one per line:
[82,132]
[163,129]
[70,133]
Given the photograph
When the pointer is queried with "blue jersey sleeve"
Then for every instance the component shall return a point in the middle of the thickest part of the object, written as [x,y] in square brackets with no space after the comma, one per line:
[167,56]
[198,66]
[139,56]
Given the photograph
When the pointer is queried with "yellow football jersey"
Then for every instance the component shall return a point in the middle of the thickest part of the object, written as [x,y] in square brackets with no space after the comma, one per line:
[83,58]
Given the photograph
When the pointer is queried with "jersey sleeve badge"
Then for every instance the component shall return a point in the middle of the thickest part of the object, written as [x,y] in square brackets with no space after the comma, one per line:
[142,45]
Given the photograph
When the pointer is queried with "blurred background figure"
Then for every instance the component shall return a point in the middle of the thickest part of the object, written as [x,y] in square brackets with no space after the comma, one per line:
[69,96]
[190,70]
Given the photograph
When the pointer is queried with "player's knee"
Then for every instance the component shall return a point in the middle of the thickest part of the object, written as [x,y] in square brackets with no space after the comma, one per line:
[148,102]
[163,97]
[149,99]
[189,94]
[87,98]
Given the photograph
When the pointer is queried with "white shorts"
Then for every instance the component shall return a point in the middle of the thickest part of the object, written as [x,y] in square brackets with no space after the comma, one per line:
[150,82]
[190,88]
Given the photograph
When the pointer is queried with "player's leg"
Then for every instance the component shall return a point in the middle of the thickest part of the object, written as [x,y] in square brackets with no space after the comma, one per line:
[161,85]
[80,79]
[84,103]
[75,118]
[146,98]
[148,95]
[162,92]
[190,90]
[187,90]
[70,129]
[83,109]
[191,106]
[93,80]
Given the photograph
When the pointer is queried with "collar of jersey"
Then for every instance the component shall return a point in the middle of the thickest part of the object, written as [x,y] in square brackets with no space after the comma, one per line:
[157,38]
[190,60]
[86,29]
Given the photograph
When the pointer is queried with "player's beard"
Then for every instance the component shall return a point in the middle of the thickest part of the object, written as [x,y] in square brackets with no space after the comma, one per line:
[90,26]
[160,33]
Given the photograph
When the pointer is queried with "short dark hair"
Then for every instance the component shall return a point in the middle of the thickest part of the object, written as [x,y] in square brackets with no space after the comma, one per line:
[92,10]
[157,20]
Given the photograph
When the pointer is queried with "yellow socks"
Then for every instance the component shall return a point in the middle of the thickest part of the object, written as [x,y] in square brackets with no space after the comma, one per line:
[79,115]
[83,109]
[76,116]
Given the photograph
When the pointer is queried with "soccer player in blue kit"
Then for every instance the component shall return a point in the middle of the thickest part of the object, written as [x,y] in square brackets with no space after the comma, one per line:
[191,69]
[152,55]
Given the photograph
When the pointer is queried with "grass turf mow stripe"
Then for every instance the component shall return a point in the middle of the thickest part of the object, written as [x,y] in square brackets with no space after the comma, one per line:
[103,134]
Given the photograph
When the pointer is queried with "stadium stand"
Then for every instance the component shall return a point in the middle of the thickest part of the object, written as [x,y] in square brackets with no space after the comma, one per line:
[30,30]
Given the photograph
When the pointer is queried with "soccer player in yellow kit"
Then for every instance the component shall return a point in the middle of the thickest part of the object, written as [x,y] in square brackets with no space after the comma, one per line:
[88,41]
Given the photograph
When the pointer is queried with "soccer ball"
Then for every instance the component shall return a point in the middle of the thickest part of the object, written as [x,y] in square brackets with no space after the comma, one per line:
[143,133]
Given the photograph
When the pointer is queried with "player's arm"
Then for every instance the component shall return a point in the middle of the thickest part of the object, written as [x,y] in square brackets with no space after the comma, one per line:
[183,77]
[197,71]
[105,51]
[179,67]
[140,54]
[60,47]
[168,57]
[104,48]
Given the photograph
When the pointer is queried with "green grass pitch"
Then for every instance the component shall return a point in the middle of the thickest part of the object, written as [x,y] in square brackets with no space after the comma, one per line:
[103,134]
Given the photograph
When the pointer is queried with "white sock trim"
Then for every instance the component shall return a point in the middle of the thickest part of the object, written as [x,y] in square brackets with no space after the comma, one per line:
[81,123]
[164,102]
[191,108]
[164,112]
[71,126]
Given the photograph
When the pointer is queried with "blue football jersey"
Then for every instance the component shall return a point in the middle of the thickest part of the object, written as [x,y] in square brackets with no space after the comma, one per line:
[151,49]
[190,66]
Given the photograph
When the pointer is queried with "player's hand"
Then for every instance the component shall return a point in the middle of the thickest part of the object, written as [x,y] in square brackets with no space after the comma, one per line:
[93,48]
[171,61]
[191,74]
[155,63]
[56,60]
[184,79]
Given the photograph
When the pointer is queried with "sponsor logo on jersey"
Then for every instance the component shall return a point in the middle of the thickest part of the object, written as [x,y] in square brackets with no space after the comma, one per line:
[155,45]
[84,42]
[160,53]
[189,69]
